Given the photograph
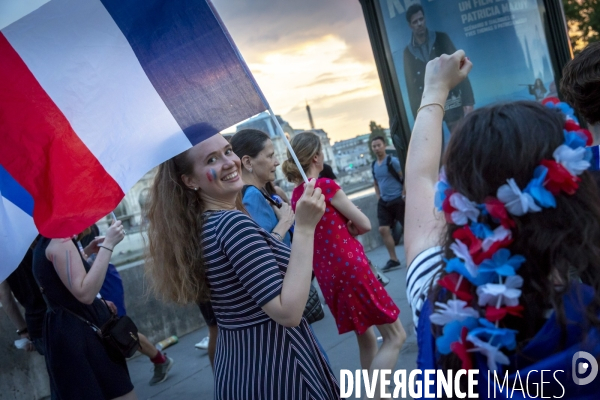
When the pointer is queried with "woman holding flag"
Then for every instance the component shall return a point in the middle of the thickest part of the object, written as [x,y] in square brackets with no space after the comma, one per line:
[202,246]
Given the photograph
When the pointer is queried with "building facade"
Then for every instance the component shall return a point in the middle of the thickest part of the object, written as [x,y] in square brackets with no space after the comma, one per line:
[352,153]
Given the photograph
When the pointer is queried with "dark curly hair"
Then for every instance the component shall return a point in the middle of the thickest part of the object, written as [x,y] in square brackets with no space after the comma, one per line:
[412,10]
[560,244]
[580,84]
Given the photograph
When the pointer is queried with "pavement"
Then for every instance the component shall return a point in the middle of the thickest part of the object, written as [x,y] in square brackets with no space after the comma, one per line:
[191,376]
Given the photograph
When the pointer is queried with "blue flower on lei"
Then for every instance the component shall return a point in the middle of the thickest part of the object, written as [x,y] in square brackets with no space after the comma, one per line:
[574,140]
[564,108]
[451,333]
[481,230]
[499,337]
[536,188]
[440,194]
[456,265]
[501,264]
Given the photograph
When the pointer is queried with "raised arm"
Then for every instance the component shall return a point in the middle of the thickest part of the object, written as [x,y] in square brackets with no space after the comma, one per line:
[424,224]
[67,262]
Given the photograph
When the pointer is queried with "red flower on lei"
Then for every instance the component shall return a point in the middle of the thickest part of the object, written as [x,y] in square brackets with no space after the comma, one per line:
[497,210]
[474,244]
[559,179]
[461,349]
[494,314]
[552,100]
[463,291]
[447,207]
[466,235]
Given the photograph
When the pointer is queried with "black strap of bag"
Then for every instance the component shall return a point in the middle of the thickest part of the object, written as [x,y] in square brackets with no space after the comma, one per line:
[119,335]
[313,311]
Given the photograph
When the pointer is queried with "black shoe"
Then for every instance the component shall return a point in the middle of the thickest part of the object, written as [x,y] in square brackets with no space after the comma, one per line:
[390,265]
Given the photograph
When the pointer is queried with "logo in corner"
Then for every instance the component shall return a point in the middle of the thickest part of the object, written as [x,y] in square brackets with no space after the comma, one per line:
[581,368]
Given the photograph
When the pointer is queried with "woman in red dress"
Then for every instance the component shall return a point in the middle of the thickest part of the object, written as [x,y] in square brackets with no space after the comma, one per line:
[354,295]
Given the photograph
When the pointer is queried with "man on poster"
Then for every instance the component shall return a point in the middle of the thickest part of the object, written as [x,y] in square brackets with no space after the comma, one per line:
[425,45]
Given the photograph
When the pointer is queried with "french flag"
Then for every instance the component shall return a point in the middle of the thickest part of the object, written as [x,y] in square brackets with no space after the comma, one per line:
[94,94]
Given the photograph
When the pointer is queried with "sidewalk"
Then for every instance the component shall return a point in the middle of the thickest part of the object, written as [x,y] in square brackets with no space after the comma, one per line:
[191,376]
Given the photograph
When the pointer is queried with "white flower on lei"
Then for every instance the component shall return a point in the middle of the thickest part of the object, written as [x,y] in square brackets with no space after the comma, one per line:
[462,251]
[499,234]
[507,293]
[452,310]
[572,159]
[516,202]
[465,209]
[493,354]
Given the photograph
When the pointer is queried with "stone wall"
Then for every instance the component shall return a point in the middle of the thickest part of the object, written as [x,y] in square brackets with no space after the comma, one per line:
[23,375]
[368,205]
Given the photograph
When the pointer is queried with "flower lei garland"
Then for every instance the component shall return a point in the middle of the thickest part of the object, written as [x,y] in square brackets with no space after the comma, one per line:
[482,258]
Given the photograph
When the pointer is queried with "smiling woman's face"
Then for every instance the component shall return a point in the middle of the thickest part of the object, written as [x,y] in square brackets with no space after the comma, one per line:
[216,169]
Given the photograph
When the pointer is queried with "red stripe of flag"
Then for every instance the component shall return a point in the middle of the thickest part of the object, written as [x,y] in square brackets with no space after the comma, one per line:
[40,149]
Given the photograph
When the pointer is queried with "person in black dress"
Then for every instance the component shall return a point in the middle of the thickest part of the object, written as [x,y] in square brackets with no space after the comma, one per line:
[78,364]
[202,246]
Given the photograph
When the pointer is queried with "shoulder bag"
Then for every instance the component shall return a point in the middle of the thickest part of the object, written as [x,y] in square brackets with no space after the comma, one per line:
[119,335]
[313,311]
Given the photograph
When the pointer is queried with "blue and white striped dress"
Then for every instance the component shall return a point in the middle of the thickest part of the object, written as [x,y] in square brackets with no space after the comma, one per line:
[256,357]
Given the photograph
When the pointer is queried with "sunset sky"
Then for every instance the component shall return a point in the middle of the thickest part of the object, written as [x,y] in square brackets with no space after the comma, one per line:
[313,50]
[298,50]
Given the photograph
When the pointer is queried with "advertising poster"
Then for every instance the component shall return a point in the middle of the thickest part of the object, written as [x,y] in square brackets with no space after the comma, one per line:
[504,39]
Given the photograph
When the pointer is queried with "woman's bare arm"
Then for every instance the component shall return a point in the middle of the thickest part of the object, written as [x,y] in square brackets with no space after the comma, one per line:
[287,308]
[344,205]
[68,265]
[424,224]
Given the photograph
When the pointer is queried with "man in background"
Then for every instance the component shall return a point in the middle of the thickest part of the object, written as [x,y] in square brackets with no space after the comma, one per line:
[389,188]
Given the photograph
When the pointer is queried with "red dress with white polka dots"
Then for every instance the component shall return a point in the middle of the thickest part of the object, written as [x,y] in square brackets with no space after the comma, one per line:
[353,294]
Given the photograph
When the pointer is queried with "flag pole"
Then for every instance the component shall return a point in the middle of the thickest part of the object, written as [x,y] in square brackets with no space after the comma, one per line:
[287,143]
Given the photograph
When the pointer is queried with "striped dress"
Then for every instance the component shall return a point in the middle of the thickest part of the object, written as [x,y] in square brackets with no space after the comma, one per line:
[257,358]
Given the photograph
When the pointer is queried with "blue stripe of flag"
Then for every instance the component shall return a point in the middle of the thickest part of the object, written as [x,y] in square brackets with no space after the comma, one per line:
[191,62]
[15,193]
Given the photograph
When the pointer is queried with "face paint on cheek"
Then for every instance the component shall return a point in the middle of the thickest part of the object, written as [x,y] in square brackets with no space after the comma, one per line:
[212,175]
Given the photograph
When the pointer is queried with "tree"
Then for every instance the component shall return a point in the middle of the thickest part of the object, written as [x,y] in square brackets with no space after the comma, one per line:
[376,130]
[583,18]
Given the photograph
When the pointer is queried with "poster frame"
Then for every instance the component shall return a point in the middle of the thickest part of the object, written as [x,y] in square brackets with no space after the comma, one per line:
[557,38]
